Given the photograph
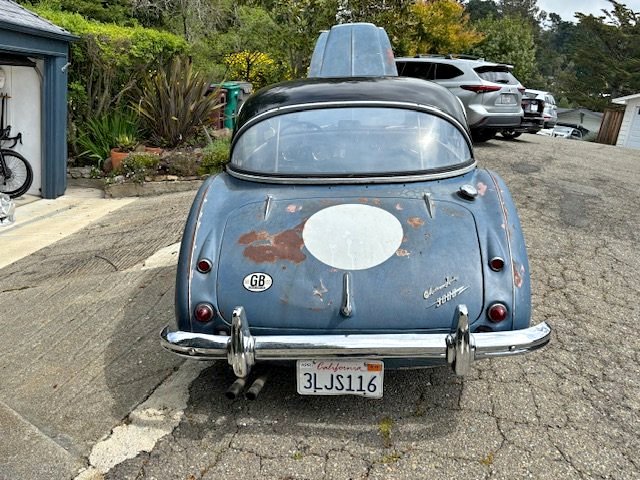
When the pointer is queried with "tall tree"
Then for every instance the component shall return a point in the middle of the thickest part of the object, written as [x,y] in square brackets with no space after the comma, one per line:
[605,57]
[509,40]
[480,9]
[519,8]
[441,26]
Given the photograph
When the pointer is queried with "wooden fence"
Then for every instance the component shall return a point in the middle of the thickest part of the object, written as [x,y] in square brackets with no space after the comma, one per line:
[610,126]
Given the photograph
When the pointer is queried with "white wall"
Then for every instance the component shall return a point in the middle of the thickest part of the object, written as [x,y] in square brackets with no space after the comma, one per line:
[24,114]
[629,113]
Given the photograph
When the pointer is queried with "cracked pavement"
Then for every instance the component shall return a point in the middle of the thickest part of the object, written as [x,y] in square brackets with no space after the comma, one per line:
[569,411]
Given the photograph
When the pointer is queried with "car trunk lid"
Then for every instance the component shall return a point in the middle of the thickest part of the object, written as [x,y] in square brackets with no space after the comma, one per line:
[401,263]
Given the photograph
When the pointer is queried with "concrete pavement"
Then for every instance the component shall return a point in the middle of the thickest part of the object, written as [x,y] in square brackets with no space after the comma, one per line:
[42,222]
[80,318]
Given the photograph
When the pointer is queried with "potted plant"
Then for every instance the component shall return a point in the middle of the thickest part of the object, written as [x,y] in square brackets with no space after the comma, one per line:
[125,144]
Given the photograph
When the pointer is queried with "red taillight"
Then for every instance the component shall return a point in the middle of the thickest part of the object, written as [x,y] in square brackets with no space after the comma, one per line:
[496,264]
[497,312]
[203,312]
[481,88]
[204,266]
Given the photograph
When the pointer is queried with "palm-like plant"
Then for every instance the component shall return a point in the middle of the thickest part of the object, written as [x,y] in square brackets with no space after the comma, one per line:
[173,103]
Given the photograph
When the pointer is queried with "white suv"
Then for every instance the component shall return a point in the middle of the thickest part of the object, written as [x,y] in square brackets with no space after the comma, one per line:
[550,109]
[490,93]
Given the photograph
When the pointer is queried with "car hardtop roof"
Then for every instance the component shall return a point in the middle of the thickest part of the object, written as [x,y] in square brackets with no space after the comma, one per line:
[353,89]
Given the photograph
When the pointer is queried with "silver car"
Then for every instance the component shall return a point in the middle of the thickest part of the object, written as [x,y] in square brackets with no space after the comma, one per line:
[490,93]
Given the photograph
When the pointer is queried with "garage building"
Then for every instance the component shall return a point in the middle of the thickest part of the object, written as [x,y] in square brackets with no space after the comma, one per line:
[34,57]
[629,135]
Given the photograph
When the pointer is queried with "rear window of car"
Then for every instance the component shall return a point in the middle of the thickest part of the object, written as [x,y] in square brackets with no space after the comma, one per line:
[428,70]
[496,74]
[343,141]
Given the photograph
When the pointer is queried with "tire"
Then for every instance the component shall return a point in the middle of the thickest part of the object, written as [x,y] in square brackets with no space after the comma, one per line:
[480,136]
[510,134]
[21,175]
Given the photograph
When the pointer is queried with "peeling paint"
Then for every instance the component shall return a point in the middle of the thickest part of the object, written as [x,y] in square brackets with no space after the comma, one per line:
[263,247]
[320,291]
[401,252]
[482,188]
[294,208]
[415,222]
[517,277]
[399,207]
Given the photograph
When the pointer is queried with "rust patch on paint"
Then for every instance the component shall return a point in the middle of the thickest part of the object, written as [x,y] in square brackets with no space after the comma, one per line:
[294,208]
[252,237]
[401,252]
[363,200]
[376,201]
[263,247]
[517,277]
[415,222]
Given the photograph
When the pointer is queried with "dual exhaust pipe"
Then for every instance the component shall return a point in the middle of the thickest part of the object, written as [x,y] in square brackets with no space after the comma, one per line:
[236,388]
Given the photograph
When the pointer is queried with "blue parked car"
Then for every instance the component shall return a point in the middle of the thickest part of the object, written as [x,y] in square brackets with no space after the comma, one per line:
[352,232]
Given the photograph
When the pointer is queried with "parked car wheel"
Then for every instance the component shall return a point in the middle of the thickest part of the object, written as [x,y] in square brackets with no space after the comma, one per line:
[480,136]
[510,134]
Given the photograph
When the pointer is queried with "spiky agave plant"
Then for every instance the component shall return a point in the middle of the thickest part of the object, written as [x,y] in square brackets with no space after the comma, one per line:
[173,102]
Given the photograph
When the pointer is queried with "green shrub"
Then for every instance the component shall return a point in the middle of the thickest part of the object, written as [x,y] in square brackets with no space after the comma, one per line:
[216,155]
[139,165]
[173,103]
[109,60]
[99,135]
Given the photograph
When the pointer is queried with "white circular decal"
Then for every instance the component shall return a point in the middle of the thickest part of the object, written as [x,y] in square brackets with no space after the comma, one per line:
[352,236]
[257,282]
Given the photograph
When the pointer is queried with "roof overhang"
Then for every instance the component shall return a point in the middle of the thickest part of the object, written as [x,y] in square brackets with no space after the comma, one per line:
[625,100]
[63,35]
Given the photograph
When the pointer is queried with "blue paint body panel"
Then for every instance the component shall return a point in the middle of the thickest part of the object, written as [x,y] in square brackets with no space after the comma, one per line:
[246,226]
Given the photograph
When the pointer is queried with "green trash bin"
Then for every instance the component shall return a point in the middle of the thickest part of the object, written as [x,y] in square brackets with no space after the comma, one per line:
[232,94]
[231,108]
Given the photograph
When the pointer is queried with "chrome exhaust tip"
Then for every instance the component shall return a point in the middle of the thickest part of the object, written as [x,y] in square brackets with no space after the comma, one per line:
[235,389]
[256,387]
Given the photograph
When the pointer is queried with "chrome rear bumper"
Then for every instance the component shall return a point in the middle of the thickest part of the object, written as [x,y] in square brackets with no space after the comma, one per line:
[459,349]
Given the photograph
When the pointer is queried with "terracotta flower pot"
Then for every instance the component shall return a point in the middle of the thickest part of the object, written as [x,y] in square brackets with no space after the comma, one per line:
[154,150]
[117,156]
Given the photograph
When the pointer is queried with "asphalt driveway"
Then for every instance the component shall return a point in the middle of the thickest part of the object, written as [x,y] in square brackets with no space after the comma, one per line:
[80,319]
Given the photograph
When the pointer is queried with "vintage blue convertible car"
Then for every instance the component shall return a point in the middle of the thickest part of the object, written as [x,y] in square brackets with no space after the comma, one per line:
[352,231]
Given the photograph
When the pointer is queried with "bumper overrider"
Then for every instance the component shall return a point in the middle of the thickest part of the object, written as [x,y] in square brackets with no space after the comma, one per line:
[242,350]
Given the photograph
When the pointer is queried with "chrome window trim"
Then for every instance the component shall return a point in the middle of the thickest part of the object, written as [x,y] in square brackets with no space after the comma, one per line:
[253,177]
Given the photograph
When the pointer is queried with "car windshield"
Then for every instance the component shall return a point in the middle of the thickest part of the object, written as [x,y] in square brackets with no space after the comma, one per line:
[342,141]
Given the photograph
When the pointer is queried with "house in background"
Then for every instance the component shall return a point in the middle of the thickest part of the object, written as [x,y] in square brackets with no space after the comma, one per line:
[581,117]
[629,135]
[34,57]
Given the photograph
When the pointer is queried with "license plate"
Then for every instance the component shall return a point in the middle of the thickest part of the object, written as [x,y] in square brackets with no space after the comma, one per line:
[506,99]
[340,377]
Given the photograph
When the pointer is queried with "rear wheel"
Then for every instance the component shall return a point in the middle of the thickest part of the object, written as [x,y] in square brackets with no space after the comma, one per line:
[510,134]
[480,136]
[16,174]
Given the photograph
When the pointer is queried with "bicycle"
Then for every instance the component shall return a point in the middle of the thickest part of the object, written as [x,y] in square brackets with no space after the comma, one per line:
[16,174]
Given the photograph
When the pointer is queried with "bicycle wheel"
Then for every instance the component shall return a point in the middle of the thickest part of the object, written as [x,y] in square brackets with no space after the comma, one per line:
[16,176]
